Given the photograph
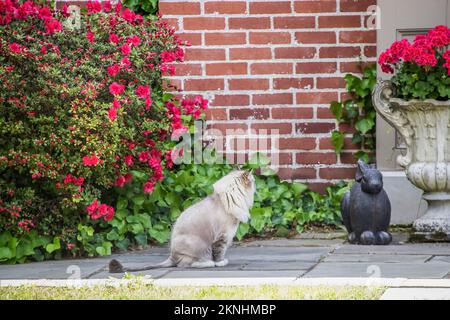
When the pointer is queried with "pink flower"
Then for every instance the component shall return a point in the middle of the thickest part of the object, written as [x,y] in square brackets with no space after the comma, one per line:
[116,104]
[90,161]
[94,7]
[148,103]
[144,156]
[113,70]
[52,26]
[129,161]
[116,88]
[167,56]
[90,36]
[134,40]
[112,114]
[179,53]
[143,92]
[113,38]
[125,62]
[149,186]
[43,49]
[14,47]
[128,15]
[120,182]
[107,7]
[125,49]
[97,210]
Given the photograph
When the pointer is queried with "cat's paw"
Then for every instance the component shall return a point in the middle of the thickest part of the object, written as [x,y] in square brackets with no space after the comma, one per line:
[222,263]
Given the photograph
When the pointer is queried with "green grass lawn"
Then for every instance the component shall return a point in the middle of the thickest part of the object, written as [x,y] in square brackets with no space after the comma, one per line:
[148,291]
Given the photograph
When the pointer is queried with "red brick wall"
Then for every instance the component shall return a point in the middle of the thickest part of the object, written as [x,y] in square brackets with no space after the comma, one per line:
[276,64]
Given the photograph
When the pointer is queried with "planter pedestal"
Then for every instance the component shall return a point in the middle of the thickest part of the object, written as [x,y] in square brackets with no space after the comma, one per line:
[425,127]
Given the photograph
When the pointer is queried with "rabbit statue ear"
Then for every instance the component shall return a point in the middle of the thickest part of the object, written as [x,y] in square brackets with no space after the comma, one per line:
[362,166]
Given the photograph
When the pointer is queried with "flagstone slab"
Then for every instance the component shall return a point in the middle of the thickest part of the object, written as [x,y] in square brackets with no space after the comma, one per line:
[410,248]
[380,257]
[189,274]
[384,270]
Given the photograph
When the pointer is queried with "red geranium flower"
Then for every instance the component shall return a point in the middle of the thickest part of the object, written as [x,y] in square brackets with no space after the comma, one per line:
[90,161]
[125,49]
[113,70]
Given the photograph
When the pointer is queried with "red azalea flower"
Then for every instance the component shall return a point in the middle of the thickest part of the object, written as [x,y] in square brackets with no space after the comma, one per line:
[107,7]
[113,38]
[148,103]
[134,40]
[116,103]
[143,92]
[128,15]
[14,47]
[113,70]
[129,161]
[125,49]
[94,7]
[90,36]
[112,114]
[116,88]
[90,161]
[144,156]
[167,56]
[120,182]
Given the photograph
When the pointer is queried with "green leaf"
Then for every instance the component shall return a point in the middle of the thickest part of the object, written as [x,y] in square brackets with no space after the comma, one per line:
[5,254]
[138,199]
[141,239]
[55,245]
[122,204]
[364,125]
[105,249]
[242,231]
[336,109]
[337,139]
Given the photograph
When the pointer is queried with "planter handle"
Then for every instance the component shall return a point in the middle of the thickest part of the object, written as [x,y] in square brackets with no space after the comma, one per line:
[383,92]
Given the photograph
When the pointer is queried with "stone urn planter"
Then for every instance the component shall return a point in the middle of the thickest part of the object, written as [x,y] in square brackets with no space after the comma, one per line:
[425,127]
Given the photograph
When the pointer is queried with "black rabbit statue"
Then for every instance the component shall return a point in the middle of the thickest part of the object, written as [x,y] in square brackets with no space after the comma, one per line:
[366,209]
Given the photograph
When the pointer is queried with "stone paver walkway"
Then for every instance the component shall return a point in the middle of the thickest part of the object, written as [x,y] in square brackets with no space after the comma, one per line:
[284,259]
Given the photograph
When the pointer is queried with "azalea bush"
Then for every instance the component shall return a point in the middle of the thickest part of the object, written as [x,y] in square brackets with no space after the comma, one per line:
[80,109]
[421,68]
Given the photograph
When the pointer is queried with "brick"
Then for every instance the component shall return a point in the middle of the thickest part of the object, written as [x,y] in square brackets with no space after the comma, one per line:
[228,7]
[203,84]
[248,84]
[270,37]
[216,114]
[296,83]
[295,53]
[315,37]
[222,38]
[316,67]
[173,85]
[330,83]
[231,100]
[339,21]
[347,128]
[250,53]
[172,22]
[325,113]
[297,143]
[271,68]
[370,51]
[314,127]
[339,52]
[272,128]
[244,114]
[294,22]
[240,143]
[356,6]
[249,23]
[292,113]
[203,23]
[283,158]
[353,67]
[326,144]
[297,173]
[188,69]
[316,97]
[226,68]
[179,8]
[314,6]
[270,7]
[337,173]
[316,158]
[348,158]
[204,54]
[194,39]
[239,128]
[358,36]
[272,99]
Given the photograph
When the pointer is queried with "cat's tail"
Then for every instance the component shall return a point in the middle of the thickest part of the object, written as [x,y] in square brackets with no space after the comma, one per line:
[116,267]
